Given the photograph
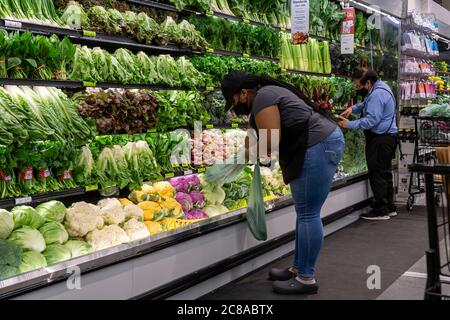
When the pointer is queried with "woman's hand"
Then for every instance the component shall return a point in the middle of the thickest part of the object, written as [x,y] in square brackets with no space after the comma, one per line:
[347,113]
[343,122]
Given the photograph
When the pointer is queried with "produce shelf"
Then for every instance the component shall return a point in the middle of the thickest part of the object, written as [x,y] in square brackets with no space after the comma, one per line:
[170,8]
[42,197]
[242,55]
[99,259]
[316,74]
[68,84]
[445,73]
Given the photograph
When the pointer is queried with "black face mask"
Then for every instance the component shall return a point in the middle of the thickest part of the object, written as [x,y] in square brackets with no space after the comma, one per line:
[362,92]
[241,109]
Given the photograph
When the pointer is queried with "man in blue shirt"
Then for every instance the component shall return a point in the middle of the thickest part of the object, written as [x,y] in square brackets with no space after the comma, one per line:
[378,121]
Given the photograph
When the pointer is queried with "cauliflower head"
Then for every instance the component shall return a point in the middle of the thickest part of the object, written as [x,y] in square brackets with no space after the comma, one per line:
[109,203]
[82,218]
[135,229]
[107,237]
[113,215]
[164,189]
[133,211]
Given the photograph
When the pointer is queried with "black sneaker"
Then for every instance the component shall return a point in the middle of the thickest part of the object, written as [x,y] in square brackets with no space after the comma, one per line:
[392,211]
[375,215]
[293,286]
[276,274]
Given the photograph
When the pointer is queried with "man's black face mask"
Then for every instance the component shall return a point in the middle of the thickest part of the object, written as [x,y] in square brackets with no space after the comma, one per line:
[362,92]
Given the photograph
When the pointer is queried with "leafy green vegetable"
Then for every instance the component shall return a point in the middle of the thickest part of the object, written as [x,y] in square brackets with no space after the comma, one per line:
[78,248]
[32,260]
[56,253]
[54,232]
[52,211]
[28,238]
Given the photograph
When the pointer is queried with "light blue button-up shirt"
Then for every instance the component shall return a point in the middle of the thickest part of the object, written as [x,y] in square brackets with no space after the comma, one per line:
[378,111]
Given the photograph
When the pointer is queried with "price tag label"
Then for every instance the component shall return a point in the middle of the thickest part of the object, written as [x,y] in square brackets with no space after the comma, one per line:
[209,88]
[234,125]
[89,84]
[209,126]
[209,13]
[283,29]
[246,21]
[151,130]
[245,55]
[13,24]
[200,170]
[23,200]
[283,70]
[169,175]
[187,172]
[88,33]
[210,50]
[91,188]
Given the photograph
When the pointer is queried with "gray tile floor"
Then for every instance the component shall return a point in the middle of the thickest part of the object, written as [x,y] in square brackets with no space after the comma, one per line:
[395,246]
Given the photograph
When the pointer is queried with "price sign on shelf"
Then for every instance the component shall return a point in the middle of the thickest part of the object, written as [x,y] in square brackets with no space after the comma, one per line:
[89,84]
[348,32]
[23,200]
[234,125]
[187,172]
[300,21]
[88,33]
[13,24]
[169,175]
[200,170]
[91,188]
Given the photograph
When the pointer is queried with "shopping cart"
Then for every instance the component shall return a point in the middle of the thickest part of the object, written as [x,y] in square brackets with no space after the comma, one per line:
[432,137]
[438,253]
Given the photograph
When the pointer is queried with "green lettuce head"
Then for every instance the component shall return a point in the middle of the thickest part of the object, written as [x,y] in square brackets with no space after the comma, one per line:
[6,224]
[78,247]
[52,211]
[32,260]
[27,216]
[56,253]
[28,238]
[54,232]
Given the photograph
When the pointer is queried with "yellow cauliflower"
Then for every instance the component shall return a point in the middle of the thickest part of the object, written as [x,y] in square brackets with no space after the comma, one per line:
[173,208]
[164,189]
[153,227]
[152,210]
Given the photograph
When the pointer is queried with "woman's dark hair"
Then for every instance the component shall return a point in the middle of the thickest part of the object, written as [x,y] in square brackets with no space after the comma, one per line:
[235,81]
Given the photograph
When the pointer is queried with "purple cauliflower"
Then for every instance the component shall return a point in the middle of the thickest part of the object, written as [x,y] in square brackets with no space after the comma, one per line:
[196,214]
[193,181]
[180,184]
[198,199]
[185,200]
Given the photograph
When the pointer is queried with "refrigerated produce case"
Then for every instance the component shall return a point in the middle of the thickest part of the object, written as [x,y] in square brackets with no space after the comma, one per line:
[173,262]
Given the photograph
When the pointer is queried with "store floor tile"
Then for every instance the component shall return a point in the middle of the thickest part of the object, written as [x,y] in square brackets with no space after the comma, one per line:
[393,245]
[405,288]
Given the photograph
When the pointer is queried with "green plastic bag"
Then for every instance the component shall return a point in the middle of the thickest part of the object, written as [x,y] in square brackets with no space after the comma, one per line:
[219,174]
[256,212]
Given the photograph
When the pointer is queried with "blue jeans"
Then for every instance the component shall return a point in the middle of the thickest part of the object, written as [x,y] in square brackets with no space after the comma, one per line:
[309,191]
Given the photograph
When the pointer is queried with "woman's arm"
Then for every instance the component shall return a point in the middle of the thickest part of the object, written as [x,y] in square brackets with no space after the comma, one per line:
[268,124]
